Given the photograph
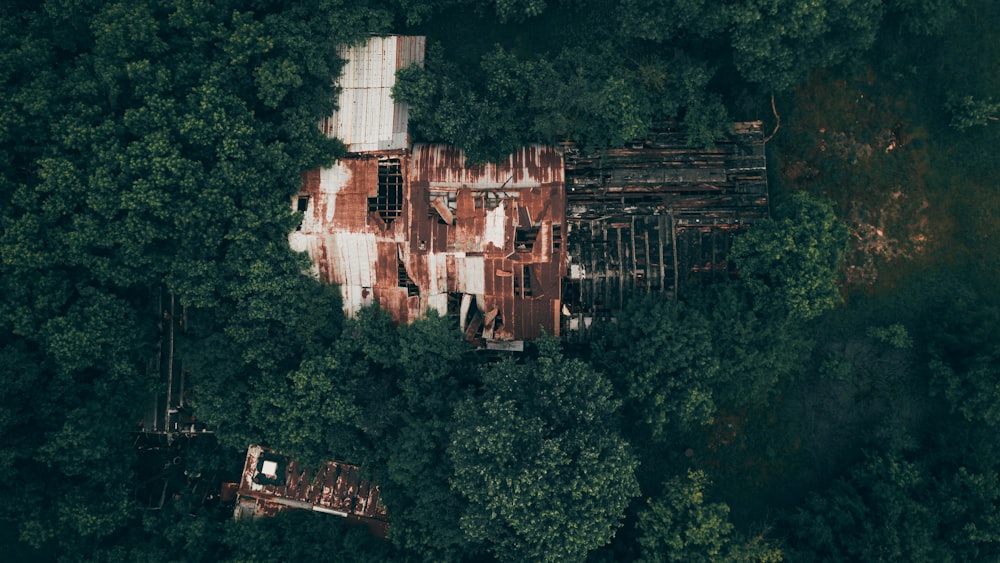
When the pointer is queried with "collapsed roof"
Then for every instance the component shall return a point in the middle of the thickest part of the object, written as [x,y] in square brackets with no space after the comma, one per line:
[527,245]
[272,482]
[657,215]
[423,230]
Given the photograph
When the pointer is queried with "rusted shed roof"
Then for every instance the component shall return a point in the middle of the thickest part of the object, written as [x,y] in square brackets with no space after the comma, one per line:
[272,482]
[492,232]
[348,245]
[504,243]
[446,166]
[367,118]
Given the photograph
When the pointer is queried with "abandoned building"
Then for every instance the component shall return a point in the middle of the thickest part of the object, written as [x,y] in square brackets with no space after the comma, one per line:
[656,216]
[545,241]
[272,482]
[419,229]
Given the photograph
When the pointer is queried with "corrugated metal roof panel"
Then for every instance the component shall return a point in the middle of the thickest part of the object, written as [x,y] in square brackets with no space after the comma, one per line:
[356,297]
[451,230]
[354,258]
[437,271]
[439,303]
[495,232]
[445,166]
[471,272]
[367,118]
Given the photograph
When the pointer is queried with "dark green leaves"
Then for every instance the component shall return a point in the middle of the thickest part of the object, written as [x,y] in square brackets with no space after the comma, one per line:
[659,353]
[147,145]
[597,97]
[536,455]
[682,526]
[791,263]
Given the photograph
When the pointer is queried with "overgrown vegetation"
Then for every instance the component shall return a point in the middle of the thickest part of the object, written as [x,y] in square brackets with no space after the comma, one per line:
[838,402]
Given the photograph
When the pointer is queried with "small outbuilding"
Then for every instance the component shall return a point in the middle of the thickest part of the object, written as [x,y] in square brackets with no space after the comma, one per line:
[273,482]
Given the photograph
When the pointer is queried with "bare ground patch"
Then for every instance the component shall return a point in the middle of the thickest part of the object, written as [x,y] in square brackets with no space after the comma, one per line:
[850,141]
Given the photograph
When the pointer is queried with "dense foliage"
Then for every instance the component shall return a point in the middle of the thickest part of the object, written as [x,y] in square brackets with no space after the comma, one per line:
[600,72]
[148,150]
[146,145]
[790,262]
[536,455]
[682,527]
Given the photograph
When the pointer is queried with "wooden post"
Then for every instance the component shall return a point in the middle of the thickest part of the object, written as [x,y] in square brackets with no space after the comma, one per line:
[635,265]
[673,242]
[621,273]
[661,234]
[170,367]
[645,238]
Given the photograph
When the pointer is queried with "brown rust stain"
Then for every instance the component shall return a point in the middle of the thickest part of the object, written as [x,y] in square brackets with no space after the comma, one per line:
[640,218]
[335,486]
[421,245]
[352,198]
[445,164]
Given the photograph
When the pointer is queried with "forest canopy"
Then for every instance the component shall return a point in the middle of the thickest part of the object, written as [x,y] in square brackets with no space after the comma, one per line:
[149,150]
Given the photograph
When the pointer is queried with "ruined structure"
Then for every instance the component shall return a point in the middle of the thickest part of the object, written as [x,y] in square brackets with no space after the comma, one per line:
[655,216]
[421,229]
[367,120]
[526,245]
[272,482]
[168,415]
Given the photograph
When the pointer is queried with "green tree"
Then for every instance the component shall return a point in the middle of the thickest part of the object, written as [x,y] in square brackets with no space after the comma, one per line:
[483,111]
[538,458]
[756,351]
[433,359]
[147,145]
[593,95]
[972,391]
[965,358]
[778,43]
[662,20]
[297,535]
[879,512]
[659,354]
[336,405]
[606,98]
[682,527]
[967,501]
[791,263]
[925,17]
[967,111]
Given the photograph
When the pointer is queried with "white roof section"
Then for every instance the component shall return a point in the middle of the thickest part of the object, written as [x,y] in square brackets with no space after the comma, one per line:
[367,118]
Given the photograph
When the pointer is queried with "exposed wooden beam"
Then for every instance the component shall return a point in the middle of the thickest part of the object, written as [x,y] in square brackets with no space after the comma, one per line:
[673,243]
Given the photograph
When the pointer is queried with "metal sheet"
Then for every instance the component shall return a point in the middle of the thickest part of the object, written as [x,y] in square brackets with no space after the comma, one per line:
[367,119]
[471,272]
[354,259]
[491,202]
[438,303]
[335,489]
[505,345]
[445,166]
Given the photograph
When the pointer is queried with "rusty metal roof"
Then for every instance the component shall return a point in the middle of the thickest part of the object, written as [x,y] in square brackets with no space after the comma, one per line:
[367,118]
[528,167]
[272,482]
[421,230]
[497,245]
